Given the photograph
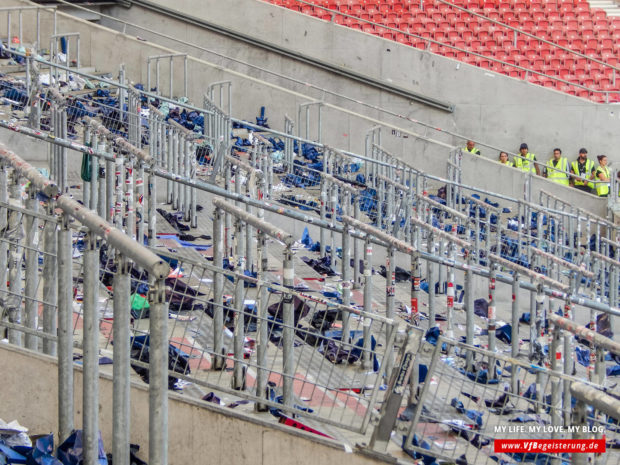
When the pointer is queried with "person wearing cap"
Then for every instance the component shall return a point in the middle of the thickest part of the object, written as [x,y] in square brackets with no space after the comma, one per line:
[557,168]
[503,159]
[583,169]
[471,148]
[526,161]
[603,176]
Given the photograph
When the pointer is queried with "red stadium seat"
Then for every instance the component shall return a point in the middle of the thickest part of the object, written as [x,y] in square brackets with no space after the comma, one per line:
[567,23]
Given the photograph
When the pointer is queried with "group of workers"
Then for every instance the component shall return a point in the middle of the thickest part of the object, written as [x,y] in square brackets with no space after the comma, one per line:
[581,174]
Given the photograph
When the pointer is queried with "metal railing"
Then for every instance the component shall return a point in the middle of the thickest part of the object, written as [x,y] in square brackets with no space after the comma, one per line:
[405,223]
[57,299]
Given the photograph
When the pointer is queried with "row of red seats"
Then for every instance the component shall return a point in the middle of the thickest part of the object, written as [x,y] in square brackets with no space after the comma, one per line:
[595,35]
[538,10]
[588,42]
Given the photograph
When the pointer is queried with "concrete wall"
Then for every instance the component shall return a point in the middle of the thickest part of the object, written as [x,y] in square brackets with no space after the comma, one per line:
[342,128]
[197,430]
[492,108]
[32,150]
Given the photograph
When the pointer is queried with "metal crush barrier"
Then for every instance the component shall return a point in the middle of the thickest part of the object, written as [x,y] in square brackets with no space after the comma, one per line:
[40,300]
[239,347]
[463,416]
[245,329]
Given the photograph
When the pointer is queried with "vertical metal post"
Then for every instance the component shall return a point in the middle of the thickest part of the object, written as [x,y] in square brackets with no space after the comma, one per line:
[450,293]
[227,216]
[65,331]
[323,213]
[15,233]
[178,167]
[110,175]
[580,414]
[101,182]
[50,277]
[367,298]
[189,174]
[430,277]
[356,245]
[120,184]
[262,373]
[170,148]
[158,374]
[152,208]
[218,291]
[139,203]
[64,185]
[32,269]
[122,92]
[346,278]
[514,380]
[491,315]
[94,176]
[536,317]
[288,331]
[88,141]
[441,278]
[90,343]
[129,199]
[333,208]
[239,318]
[122,348]
[555,354]
[416,276]
[568,358]
[249,230]
[469,310]
[389,283]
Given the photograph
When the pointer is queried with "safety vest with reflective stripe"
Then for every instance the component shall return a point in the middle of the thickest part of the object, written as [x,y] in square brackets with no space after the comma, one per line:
[557,173]
[475,151]
[526,162]
[508,163]
[589,167]
[602,188]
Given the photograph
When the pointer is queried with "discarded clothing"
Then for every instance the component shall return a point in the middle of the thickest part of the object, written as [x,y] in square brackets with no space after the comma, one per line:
[300,309]
[133,458]
[177,360]
[139,306]
[71,451]
[321,266]
[474,415]
[481,308]
[173,220]
[415,441]
[400,274]
[324,319]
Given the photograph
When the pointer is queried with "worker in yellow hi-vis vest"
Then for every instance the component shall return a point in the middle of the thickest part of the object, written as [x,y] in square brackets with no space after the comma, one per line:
[503,159]
[470,147]
[583,169]
[603,176]
[526,161]
[557,168]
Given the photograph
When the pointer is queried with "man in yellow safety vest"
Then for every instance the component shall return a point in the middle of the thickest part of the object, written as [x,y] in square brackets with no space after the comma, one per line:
[557,168]
[583,169]
[471,148]
[526,161]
